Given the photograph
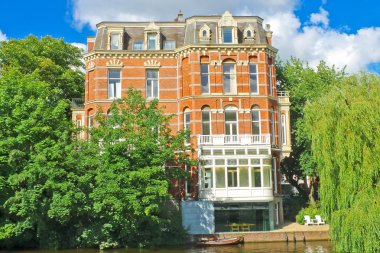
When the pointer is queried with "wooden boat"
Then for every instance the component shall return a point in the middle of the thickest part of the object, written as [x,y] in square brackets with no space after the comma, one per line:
[217,242]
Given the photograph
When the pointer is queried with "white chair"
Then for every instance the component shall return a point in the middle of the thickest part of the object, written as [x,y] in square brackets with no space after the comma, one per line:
[308,221]
[319,220]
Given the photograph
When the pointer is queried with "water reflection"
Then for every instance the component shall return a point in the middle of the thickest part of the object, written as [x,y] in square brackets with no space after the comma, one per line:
[280,247]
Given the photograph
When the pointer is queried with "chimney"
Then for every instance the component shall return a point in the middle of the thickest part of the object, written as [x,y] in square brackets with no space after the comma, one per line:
[268,34]
[179,17]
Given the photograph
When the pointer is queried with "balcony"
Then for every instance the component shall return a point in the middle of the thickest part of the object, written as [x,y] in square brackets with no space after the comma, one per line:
[222,139]
[237,194]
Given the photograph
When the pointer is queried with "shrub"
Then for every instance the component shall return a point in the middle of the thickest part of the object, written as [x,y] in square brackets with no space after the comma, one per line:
[311,211]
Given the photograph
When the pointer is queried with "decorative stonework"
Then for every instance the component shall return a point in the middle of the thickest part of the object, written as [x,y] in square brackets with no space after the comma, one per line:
[152,27]
[227,20]
[114,63]
[205,33]
[242,63]
[216,63]
[152,64]
[249,32]
[90,66]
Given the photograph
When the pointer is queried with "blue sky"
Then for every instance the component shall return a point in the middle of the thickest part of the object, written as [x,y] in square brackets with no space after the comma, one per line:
[337,31]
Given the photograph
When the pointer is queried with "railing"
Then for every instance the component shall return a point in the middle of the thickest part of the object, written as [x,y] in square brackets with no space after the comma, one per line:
[222,139]
[282,93]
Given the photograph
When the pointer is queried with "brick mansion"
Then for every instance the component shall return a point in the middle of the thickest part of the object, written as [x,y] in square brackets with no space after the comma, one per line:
[216,75]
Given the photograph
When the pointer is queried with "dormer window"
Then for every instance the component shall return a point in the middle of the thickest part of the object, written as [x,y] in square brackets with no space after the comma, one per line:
[169,44]
[205,33]
[249,33]
[138,45]
[227,35]
[115,41]
[152,37]
[152,41]
[227,29]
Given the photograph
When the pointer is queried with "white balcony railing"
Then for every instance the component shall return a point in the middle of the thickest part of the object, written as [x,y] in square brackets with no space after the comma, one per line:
[222,139]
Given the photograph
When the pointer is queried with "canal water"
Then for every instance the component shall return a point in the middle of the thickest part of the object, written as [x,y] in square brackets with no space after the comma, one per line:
[281,247]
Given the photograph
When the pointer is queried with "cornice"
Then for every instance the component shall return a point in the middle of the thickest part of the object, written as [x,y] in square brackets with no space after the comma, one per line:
[182,51]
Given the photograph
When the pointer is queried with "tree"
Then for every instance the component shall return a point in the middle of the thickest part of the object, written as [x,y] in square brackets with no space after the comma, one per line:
[38,195]
[51,60]
[132,145]
[305,85]
[344,128]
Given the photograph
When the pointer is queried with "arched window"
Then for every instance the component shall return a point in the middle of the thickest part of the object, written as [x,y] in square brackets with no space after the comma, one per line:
[229,77]
[204,33]
[206,121]
[255,119]
[231,122]
[249,34]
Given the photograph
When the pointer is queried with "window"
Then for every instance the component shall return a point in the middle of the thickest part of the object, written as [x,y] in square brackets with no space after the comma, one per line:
[152,83]
[220,177]
[283,129]
[255,117]
[169,45]
[186,124]
[152,41]
[270,80]
[227,35]
[204,33]
[205,84]
[206,121]
[253,78]
[272,126]
[256,176]
[229,78]
[232,177]
[243,177]
[114,84]
[208,178]
[231,122]
[138,45]
[249,34]
[114,41]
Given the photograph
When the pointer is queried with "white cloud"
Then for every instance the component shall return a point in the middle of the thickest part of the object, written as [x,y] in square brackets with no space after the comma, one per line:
[320,18]
[311,41]
[80,46]
[3,36]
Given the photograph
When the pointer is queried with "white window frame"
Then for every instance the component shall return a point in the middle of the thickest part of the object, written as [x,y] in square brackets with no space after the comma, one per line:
[270,74]
[187,124]
[208,78]
[151,96]
[283,129]
[148,42]
[165,45]
[208,111]
[231,123]
[272,126]
[255,75]
[140,42]
[232,34]
[232,79]
[114,87]
[256,110]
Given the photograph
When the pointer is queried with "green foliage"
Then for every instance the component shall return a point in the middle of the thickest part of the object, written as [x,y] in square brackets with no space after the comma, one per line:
[49,60]
[56,192]
[304,85]
[130,148]
[310,210]
[345,132]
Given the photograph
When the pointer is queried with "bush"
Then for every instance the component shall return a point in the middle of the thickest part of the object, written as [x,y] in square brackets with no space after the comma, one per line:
[311,211]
